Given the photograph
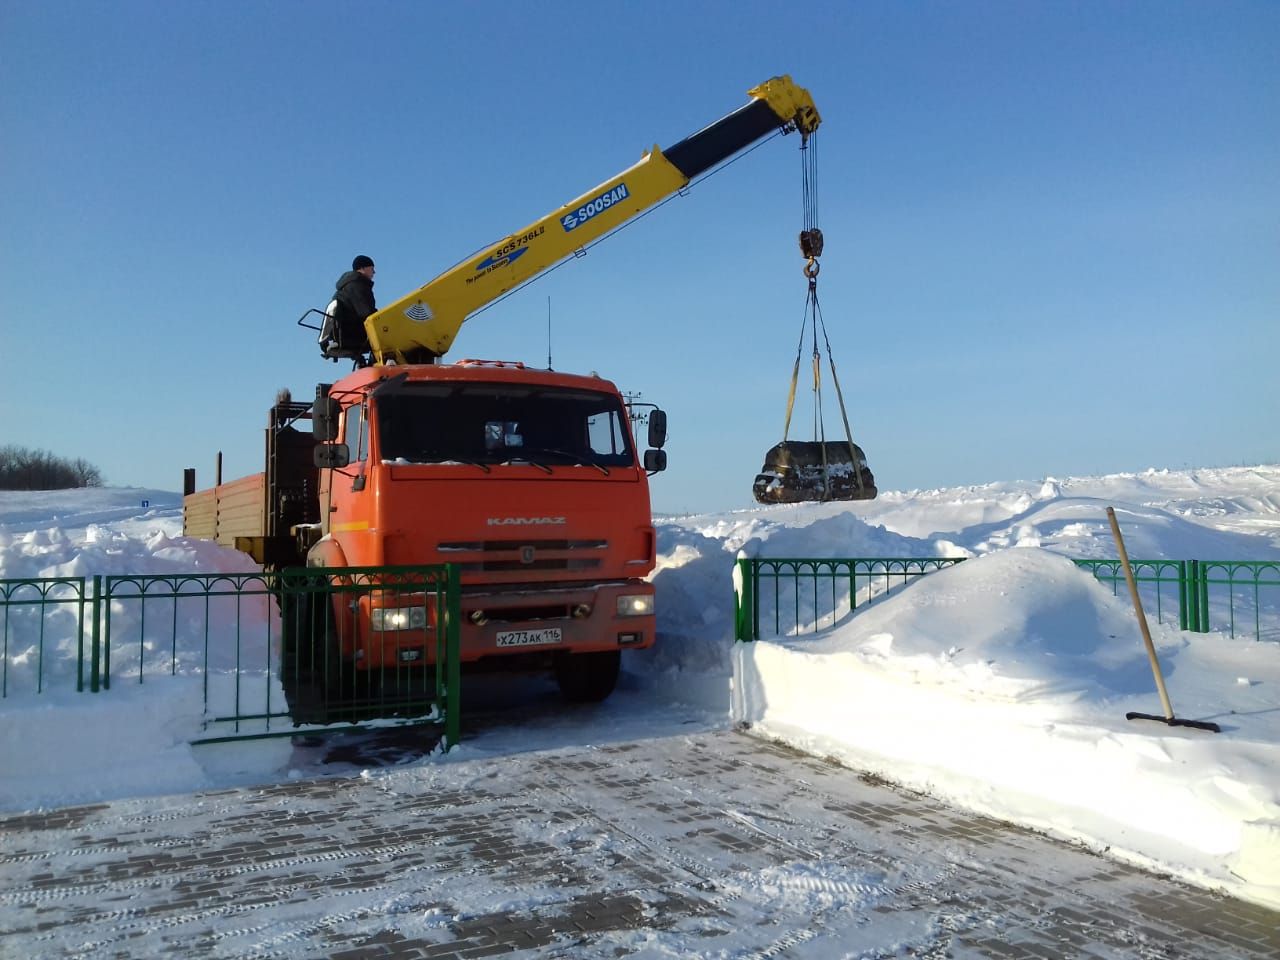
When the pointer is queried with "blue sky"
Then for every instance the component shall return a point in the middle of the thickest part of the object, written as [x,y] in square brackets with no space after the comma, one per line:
[1052,230]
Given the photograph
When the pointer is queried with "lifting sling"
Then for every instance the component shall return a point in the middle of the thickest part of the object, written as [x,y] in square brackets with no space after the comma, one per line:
[821,470]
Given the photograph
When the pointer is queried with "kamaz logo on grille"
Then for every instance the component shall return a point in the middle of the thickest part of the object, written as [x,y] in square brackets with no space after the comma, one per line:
[594,207]
[524,521]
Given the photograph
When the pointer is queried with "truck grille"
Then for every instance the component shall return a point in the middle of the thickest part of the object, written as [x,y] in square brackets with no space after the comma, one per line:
[525,555]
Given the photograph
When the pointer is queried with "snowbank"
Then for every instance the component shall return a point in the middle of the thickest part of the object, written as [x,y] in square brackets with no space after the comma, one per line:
[58,746]
[1002,685]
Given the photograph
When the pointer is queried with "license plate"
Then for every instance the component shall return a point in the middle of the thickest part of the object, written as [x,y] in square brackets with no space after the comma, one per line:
[528,638]
[408,656]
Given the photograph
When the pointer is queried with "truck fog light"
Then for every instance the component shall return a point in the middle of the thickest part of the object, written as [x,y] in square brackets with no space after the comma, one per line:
[629,639]
[398,618]
[581,611]
[636,605]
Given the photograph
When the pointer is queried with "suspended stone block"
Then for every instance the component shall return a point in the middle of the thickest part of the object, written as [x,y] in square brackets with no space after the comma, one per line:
[797,472]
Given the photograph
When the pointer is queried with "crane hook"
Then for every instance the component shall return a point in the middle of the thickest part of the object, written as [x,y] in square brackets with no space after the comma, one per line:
[811,248]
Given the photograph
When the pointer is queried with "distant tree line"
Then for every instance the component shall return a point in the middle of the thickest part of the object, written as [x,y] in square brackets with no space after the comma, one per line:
[24,469]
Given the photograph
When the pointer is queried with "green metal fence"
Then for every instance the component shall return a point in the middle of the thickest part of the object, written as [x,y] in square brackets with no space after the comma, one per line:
[363,643]
[276,654]
[35,615]
[791,596]
[1162,584]
[1239,597]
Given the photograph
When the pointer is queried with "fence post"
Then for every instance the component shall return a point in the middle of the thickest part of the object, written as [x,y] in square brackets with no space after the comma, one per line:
[80,641]
[453,669]
[95,642]
[743,601]
[1203,590]
[1184,612]
[1193,597]
[105,607]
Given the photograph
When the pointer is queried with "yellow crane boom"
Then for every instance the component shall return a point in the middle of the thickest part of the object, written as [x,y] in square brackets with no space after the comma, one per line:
[422,325]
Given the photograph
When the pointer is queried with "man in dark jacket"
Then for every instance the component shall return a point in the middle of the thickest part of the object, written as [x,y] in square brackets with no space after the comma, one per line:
[355,303]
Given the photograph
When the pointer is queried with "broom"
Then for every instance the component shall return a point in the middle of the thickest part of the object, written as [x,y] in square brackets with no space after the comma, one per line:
[1168,717]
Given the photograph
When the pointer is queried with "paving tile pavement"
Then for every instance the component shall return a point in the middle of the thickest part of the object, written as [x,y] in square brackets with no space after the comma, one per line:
[715,843]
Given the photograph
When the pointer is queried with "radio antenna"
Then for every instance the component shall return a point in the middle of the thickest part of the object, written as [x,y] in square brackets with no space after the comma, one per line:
[548,332]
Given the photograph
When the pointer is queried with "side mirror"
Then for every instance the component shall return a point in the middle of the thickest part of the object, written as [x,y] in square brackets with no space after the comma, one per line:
[324,417]
[332,455]
[655,461]
[657,428]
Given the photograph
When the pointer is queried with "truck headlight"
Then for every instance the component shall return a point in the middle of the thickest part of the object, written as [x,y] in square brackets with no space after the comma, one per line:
[399,618]
[636,605]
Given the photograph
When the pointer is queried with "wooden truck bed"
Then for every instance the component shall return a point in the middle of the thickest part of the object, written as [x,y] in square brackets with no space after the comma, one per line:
[224,512]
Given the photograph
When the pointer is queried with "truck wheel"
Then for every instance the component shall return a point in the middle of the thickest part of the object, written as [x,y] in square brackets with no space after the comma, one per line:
[336,675]
[587,677]
[297,656]
[288,633]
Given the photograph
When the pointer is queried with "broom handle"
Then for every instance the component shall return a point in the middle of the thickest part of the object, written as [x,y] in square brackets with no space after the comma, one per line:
[1142,617]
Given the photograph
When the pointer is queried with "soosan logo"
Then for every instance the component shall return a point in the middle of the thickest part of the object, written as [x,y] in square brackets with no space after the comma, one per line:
[594,207]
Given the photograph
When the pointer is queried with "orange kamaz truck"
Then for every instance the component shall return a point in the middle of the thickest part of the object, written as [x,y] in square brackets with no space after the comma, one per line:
[531,481]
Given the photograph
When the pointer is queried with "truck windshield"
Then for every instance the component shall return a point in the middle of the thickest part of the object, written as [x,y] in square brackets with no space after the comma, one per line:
[502,423]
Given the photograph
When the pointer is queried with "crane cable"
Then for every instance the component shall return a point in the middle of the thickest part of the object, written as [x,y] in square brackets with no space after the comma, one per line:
[811,248]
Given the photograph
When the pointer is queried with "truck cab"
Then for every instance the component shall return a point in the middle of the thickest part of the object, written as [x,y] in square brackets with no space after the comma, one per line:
[529,480]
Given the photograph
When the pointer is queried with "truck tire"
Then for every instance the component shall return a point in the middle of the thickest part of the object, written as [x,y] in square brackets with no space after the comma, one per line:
[288,632]
[335,674]
[587,677]
[306,701]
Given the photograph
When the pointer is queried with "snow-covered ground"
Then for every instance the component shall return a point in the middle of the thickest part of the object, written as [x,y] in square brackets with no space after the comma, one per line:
[1000,684]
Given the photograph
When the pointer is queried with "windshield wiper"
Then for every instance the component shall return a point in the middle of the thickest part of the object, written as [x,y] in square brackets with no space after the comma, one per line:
[533,463]
[577,458]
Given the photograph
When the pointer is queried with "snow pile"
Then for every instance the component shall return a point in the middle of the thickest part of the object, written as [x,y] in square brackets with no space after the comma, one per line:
[1000,684]
[58,746]
[148,544]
